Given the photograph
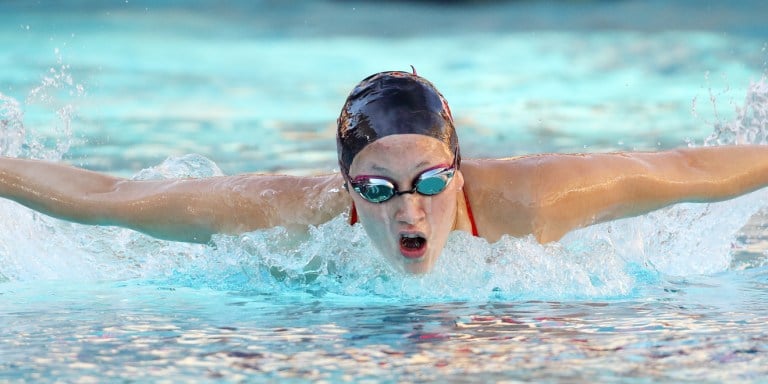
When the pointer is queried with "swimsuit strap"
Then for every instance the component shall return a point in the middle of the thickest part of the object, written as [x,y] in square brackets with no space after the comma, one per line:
[353,215]
[469,213]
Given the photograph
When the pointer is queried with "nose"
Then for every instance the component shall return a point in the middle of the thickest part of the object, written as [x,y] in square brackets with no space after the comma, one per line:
[410,209]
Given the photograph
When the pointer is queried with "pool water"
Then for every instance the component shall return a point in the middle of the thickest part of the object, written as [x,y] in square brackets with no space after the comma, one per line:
[157,90]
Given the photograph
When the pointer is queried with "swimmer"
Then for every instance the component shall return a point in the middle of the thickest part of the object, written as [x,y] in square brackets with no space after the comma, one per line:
[402,177]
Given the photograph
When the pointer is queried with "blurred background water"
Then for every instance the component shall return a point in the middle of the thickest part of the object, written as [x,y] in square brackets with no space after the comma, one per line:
[256,86]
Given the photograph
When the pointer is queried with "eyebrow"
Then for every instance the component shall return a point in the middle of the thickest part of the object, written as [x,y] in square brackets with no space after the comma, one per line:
[378,168]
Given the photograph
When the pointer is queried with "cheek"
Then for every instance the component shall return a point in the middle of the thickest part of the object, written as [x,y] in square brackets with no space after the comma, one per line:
[369,211]
[441,211]
[374,217]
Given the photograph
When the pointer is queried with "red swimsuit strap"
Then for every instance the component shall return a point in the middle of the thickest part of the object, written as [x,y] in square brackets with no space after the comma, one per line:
[469,213]
[353,215]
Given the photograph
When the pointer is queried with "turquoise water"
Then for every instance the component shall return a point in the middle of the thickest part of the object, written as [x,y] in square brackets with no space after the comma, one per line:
[167,90]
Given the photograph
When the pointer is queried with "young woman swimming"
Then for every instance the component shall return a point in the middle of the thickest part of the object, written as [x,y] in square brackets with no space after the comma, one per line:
[402,176]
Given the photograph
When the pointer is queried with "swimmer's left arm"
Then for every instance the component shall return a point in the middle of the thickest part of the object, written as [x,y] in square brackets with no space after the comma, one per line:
[576,191]
[550,195]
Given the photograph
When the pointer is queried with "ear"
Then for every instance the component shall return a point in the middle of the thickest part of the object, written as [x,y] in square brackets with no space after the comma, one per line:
[458,178]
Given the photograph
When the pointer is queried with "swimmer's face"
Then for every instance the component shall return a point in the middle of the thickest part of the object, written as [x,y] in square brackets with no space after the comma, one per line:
[410,229]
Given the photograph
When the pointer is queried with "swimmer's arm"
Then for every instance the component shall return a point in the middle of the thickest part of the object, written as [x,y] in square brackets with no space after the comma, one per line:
[189,210]
[574,191]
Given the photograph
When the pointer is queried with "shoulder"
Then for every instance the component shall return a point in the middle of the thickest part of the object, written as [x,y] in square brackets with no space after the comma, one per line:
[486,167]
[509,174]
[513,195]
[501,194]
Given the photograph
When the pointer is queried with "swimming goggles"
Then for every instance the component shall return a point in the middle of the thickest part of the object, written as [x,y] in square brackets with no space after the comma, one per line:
[378,189]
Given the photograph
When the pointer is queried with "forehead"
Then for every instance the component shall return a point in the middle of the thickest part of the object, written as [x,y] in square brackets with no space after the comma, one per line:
[401,153]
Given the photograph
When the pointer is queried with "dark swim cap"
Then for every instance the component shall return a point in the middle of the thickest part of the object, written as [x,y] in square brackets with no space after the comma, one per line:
[392,103]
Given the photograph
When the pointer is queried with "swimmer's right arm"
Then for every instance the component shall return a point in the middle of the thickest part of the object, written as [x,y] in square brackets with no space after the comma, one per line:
[190,210]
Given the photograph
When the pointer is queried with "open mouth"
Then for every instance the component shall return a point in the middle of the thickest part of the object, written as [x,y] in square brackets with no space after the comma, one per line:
[412,245]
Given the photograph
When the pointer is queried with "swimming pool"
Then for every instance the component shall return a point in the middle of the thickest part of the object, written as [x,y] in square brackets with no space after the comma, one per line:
[166,90]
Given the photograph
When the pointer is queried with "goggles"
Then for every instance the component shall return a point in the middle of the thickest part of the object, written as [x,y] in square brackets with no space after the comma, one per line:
[378,189]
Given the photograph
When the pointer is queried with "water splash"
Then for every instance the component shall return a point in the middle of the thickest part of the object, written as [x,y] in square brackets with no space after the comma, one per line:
[187,166]
[751,123]
[58,93]
[12,131]
[339,260]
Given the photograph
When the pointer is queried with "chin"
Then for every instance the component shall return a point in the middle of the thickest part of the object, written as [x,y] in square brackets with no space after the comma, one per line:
[419,267]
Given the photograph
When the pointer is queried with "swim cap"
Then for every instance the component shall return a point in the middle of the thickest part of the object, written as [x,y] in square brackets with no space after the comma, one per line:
[392,103]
